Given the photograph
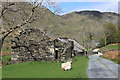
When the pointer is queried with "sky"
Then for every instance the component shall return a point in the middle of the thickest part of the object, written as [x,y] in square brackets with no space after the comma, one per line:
[68,7]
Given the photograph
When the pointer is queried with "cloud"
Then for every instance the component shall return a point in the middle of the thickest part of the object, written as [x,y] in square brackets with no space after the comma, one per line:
[105,7]
[85,0]
[109,7]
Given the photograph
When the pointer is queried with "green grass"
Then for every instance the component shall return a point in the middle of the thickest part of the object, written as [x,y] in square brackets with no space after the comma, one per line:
[0,73]
[46,69]
[6,59]
[6,50]
[113,47]
[110,47]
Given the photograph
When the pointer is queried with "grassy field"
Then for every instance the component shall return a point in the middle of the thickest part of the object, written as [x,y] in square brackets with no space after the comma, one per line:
[110,47]
[113,47]
[111,55]
[0,73]
[46,69]
[6,59]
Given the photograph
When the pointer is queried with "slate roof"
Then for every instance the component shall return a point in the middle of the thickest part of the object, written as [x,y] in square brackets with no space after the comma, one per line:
[77,46]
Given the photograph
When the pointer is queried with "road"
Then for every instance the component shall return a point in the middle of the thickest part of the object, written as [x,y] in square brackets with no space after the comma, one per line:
[102,68]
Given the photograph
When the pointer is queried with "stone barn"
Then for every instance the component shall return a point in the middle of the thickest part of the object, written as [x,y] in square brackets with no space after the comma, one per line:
[30,44]
[35,45]
[65,48]
[78,49]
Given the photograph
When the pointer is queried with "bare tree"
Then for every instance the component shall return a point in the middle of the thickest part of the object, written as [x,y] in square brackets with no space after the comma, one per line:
[88,35]
[25,21]
[10,30]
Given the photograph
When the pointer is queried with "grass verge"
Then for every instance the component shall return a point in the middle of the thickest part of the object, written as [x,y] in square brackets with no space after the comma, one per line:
[113,60]
[110,47]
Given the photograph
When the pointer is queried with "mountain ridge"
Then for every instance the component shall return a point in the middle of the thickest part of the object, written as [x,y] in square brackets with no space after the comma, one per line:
[75,25]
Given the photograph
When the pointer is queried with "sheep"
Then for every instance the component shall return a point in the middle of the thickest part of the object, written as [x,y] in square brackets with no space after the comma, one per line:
[14,59]
[66,66]
[96,50]
[99,54]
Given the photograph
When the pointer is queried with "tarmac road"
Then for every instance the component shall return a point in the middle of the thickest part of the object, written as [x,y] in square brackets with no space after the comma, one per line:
[102,68]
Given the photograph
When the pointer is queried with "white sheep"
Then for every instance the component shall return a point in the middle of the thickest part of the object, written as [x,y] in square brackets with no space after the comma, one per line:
[66,66]
[96,50]
[99,54]
[14,59]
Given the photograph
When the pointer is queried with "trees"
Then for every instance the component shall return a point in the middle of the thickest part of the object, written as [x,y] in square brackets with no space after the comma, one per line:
[110,34]
[88,34]
[109,31]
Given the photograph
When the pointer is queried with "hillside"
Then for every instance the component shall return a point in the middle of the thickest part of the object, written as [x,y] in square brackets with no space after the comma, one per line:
[111,52]
[72,25]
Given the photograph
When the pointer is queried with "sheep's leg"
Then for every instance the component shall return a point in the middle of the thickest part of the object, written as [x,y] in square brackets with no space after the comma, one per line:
[70,68]
[63,69]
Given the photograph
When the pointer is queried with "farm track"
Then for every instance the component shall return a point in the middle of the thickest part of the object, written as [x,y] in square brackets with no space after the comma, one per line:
[102,68]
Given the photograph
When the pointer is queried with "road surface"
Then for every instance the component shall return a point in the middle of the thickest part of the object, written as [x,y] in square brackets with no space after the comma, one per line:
[102,68]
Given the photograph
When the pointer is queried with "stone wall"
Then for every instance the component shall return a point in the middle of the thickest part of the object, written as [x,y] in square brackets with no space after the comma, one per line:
[31,44]
[35,45]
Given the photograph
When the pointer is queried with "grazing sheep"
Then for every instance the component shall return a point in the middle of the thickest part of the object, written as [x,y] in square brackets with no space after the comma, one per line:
[99,54]
[66,66]
[14,59]
[96,50]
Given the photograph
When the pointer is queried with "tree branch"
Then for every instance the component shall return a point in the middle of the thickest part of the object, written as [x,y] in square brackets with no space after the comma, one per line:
[24,23]
[4,10]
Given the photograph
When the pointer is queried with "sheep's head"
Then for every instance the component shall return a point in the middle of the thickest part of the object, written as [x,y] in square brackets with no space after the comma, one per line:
[70,61]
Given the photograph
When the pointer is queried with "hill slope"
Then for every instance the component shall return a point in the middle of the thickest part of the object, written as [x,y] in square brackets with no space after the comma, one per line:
[73,25]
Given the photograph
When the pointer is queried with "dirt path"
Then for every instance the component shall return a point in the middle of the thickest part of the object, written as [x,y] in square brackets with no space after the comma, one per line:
[102,68]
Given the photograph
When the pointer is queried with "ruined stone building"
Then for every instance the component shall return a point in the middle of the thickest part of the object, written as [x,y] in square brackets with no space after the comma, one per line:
[30,44]
[70,45]
[34,44]
[62,49]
